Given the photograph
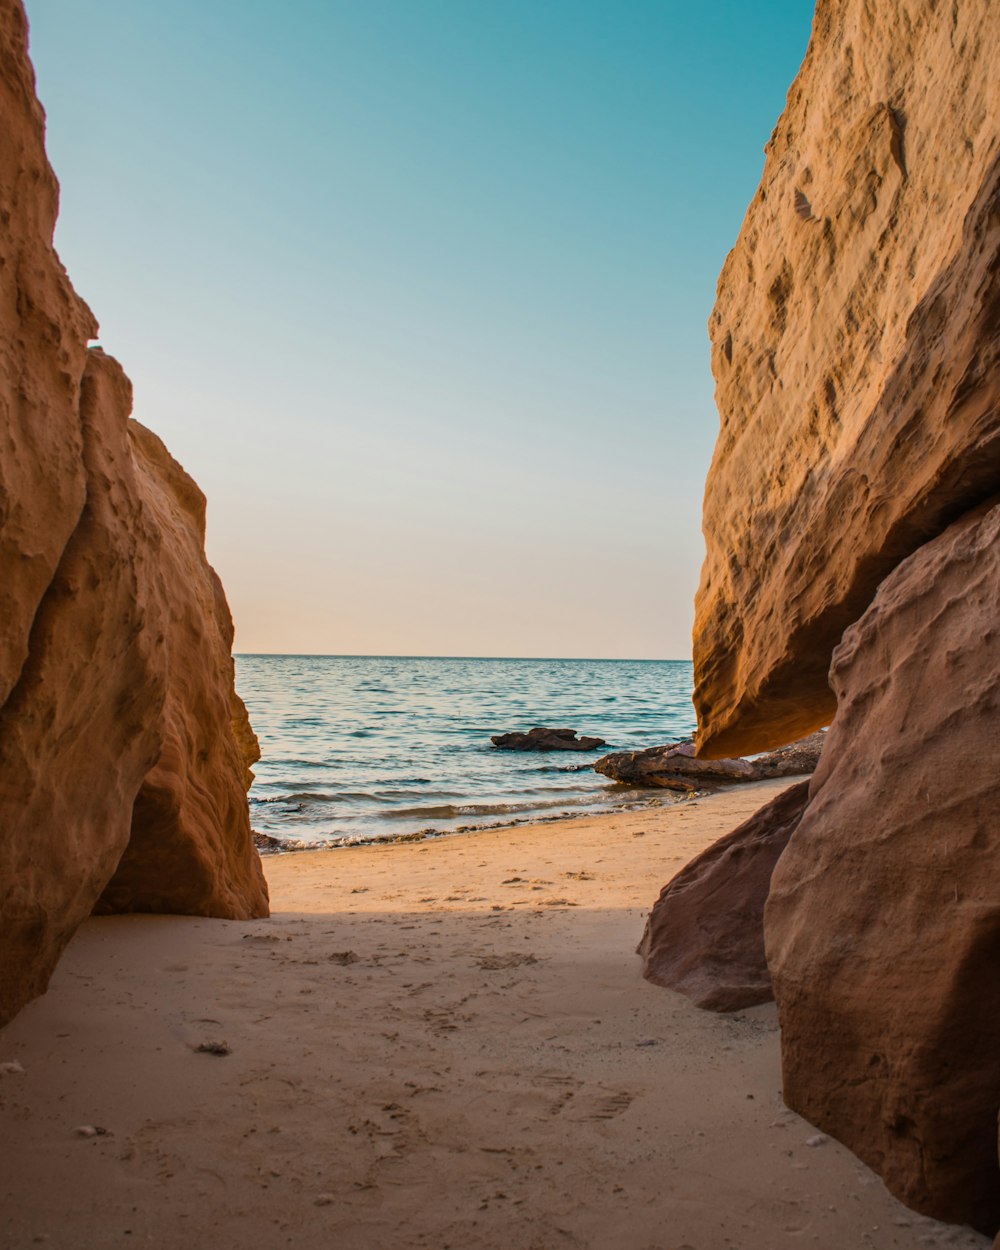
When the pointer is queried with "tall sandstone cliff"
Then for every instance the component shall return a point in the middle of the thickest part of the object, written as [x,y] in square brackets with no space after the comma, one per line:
[856,349]
[124,749]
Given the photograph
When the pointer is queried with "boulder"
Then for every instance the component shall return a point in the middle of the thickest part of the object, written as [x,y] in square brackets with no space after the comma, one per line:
[883,922]
[124,750]
[190,845]
[676,767]
[856,353]
[705,934]
[546,740]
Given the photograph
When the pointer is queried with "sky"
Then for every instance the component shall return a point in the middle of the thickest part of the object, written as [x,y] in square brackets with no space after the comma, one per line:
[417,291]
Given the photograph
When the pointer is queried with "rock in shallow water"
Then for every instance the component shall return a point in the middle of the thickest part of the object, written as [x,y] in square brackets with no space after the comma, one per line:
[546,740]
[675,766]
[705,934]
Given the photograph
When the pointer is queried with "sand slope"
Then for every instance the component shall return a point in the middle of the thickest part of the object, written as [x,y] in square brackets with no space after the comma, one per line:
[444,1044]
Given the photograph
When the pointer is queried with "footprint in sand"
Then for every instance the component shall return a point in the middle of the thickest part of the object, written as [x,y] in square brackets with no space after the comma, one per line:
[596,1103]
[343,958]
[609,1107]
[496,963]
[567,1087]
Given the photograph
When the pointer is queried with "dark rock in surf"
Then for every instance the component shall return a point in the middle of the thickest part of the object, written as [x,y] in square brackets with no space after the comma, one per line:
[265,844]
[546,740]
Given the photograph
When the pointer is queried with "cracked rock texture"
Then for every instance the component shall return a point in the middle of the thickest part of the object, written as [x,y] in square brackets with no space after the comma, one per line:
[124,750]
[856,352]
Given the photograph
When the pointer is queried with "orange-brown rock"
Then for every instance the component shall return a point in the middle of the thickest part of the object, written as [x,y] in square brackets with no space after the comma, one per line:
[43,355]
[190,844]
[856,351]
[124,751]
[705,934]
[883,923]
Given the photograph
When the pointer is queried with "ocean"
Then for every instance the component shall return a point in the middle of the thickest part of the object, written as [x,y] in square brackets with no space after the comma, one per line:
[359,748]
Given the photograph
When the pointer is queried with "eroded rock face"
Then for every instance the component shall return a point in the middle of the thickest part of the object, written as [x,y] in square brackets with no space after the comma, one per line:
[120,731]
[856,351]
[705,934]
[676,767]
[883,923]
[190,843]
[43,356]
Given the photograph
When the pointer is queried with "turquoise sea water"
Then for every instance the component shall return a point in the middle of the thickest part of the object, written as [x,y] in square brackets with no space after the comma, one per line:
[359,747]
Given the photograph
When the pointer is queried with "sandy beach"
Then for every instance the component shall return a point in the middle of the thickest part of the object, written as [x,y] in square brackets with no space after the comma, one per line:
[439,1044]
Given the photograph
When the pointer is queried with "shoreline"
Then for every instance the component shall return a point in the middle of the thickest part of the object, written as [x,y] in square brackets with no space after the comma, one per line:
[430,1045]
[265,842]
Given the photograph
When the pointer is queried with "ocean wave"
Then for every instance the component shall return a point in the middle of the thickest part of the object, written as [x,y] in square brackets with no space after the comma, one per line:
[370,836]
[454,811]
[563,768]
[273,764]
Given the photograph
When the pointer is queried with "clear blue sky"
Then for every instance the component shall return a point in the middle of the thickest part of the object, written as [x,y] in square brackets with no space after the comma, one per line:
[417,290]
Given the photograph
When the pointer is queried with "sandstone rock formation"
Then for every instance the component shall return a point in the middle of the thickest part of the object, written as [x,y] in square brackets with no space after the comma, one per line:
[856,353]
[705,934]
[190,848]
[124,751]
[856,349]
[676,767]
[540,739]
[888,896]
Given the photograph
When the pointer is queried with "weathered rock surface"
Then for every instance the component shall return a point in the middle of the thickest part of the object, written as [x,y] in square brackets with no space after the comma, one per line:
[124,752]
[43,357]
[676,767]
[190,847]
[883,923]
[540,739]
[856,351]
[705,934]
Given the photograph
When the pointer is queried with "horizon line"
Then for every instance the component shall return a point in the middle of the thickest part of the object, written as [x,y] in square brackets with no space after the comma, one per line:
[363,655]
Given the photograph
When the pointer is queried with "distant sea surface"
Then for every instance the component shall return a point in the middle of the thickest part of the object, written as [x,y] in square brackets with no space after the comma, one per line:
[366,747]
